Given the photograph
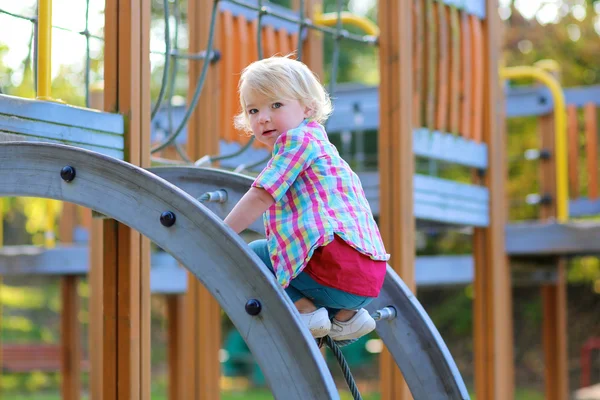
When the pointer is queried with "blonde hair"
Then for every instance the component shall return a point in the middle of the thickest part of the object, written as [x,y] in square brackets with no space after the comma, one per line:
[282,77]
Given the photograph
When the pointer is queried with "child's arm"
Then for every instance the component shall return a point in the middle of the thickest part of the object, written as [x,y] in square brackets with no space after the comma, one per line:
[254,203]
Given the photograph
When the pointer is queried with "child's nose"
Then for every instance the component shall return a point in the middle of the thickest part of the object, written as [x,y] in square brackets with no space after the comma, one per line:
[265,117]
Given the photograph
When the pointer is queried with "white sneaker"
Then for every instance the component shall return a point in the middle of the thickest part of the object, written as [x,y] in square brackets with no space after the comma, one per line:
[318,322]
[357,326]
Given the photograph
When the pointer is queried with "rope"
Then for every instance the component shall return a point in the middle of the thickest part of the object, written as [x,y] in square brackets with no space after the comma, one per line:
[344,367]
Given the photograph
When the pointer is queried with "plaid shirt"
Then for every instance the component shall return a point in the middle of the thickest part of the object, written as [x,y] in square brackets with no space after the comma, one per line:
[316,196]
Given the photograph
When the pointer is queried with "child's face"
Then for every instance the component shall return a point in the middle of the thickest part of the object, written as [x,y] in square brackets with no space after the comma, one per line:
[270,118]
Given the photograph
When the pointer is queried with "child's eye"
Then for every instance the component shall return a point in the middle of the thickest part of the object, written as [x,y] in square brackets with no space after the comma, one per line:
[252,111]
[277,105]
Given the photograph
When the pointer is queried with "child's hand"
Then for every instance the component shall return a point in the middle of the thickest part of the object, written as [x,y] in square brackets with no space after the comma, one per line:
[254,203]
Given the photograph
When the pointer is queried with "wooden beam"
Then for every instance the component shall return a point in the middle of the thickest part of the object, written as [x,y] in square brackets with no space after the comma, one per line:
[121,301]
[71,339]
[396,161]
[175,319]
[202,333]
[554,296]
[492,306]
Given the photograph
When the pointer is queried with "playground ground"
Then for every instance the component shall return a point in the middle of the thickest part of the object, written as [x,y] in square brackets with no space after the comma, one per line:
[262,394]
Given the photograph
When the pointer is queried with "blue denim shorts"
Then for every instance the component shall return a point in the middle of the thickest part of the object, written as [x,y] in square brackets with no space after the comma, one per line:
[303,286]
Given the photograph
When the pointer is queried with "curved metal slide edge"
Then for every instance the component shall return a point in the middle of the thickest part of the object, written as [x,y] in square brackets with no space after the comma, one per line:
[411,337]
[286,353]
[416,345]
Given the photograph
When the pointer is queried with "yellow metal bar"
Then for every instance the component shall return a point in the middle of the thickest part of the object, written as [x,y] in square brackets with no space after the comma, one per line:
[560,129]
[44,60]
[330,19]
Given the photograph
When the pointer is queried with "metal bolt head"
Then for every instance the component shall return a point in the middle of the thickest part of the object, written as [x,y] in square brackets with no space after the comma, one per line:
[168,218]
[67,173]
[253,307]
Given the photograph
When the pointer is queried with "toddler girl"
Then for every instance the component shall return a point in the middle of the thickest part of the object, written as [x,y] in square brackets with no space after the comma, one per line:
[322,242]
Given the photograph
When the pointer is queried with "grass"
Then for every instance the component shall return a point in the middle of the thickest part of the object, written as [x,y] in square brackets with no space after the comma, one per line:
[262,394]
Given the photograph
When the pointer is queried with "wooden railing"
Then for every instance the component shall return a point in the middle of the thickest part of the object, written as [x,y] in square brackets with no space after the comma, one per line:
[448,69]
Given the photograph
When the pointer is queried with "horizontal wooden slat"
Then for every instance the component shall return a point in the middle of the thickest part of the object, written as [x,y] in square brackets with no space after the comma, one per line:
[438,200]
[32,120]
[583,207]
[450,148]
[167,277]
[540,238]
[12,137]
[18,358]
[60,133]
[61,114]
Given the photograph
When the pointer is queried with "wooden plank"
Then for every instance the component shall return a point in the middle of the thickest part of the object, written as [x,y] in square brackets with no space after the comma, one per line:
[492,307]
[554,326]
[431,62]
[62,133]
[443,67]
[554,303]
[591,139]
[241,60]
[418,59]
[202,333]
[229,70]
[537,239]
[70,340]
[573,143]
[449,148]
[466,77]
[547,168]
[583,207]
[126,284]
[176,325]
[454,70]
[396,160]
[58,114]
[13,137]
[478,82]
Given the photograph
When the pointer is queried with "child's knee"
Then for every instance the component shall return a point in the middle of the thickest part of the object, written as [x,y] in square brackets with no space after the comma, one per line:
[260,248]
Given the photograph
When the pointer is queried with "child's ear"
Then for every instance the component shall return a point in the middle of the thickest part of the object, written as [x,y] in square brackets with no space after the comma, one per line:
[308,112]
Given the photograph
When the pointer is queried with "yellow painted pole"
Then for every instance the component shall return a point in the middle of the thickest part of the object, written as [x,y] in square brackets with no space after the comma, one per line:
[560,129]
[330,19]
[44,59]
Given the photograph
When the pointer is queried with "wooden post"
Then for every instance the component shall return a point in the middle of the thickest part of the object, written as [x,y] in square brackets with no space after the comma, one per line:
[70,328]
[202,332]
[70,339]
[396,161]
[492,306]
[554,296]
[121,297]
[175,337]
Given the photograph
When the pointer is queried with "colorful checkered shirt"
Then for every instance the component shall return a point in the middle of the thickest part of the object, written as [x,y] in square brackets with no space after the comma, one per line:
[316,196]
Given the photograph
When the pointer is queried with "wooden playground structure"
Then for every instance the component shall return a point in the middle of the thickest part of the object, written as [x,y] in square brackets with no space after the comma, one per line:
[444,97]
